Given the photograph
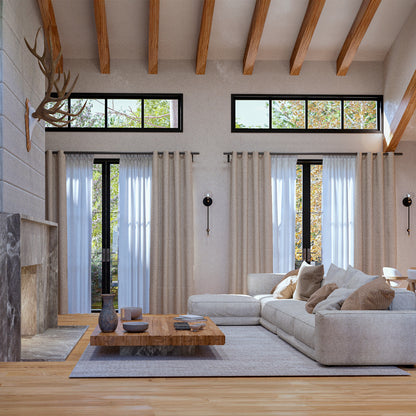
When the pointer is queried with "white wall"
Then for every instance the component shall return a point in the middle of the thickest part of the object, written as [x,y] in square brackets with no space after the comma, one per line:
[207,126]
[22,173]
[399,67]
[406,184]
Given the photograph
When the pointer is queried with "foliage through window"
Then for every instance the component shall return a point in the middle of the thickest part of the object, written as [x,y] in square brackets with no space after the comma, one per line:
[122,112]
[295,113]
[308,231]
[104,244]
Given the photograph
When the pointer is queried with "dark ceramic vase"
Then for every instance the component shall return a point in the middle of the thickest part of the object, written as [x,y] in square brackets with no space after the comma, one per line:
[108,319]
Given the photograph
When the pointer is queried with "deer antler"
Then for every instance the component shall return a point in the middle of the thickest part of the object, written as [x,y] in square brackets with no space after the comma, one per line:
[50,108]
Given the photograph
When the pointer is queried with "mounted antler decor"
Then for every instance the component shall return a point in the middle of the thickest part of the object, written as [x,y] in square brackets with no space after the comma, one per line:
[50,108]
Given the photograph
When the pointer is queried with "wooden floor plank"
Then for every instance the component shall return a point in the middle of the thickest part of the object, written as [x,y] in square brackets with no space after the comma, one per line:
[45,389]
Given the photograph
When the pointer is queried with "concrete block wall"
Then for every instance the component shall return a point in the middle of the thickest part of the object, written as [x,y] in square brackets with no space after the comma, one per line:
[22,173]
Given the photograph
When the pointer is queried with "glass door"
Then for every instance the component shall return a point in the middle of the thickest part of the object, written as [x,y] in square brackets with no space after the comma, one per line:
[105,213]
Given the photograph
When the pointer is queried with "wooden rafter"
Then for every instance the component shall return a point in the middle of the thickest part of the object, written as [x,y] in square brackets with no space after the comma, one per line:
[154,6]
[204,34]
[310,21]
[102,36]
[256,30]
[356,34]
[50,29]
[402,117]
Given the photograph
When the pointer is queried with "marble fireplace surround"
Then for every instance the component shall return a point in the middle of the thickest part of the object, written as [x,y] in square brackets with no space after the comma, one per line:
[28,280]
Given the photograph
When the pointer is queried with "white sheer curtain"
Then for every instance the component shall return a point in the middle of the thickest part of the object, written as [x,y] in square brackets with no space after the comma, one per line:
[283,177]
[135,192]
[79,218]
[338,202]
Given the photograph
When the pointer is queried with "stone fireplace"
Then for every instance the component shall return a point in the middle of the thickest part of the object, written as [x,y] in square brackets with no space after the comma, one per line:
[28,280]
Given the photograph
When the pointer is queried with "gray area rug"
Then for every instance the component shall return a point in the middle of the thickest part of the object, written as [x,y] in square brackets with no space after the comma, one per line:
[249,351]
[55,344]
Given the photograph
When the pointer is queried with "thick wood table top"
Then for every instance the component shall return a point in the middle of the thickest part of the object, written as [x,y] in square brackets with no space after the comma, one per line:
[160,332]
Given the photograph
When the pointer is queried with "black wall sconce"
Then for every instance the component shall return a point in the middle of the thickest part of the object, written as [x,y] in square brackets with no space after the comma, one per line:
[407,202]
[207,201]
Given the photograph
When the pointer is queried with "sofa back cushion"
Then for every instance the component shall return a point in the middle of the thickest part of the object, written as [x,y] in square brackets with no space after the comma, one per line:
[309,281]
[320,295]
[335,275]
[404,300]
[334,301]
[375,295]
[356,278]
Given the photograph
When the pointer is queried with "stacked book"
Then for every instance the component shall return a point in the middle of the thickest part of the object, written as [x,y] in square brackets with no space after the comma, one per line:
[190,318]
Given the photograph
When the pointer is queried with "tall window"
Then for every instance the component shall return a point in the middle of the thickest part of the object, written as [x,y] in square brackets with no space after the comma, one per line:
[308,234]
[306,113]
[105,214]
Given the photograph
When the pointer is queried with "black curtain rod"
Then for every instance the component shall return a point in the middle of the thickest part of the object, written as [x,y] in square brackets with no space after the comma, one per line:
[229,154]
[124,153]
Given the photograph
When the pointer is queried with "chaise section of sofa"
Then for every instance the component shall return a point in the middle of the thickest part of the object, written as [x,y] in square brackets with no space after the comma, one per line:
[331,337]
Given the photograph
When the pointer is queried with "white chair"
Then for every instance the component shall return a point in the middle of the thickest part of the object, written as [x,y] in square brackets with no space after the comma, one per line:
[411,278]
[394,277]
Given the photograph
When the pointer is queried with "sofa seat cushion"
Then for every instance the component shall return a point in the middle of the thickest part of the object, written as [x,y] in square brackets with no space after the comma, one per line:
[238,309]
[304,329]
[283,313]
[263,299]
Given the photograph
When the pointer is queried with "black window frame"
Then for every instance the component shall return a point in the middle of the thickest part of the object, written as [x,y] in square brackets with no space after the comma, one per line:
[122,96]
[105,225]
[306,98]
[306,205]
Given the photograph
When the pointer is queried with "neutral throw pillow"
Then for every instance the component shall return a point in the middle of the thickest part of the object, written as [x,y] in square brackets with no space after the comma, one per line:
[288,274]
[356,278]
[320,295]
[309,281]
[375,295]
[286,288]
[336,275]
[334,301]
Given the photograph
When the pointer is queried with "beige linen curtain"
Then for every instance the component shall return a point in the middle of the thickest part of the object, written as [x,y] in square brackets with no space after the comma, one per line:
[251,237]
[56,212]
[375,213]
[172,231]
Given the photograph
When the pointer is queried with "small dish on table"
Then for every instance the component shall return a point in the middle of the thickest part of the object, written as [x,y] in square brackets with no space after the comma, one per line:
[135,326]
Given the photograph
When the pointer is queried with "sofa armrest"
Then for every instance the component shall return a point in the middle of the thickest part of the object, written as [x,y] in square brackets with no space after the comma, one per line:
[262,283]
[365,337]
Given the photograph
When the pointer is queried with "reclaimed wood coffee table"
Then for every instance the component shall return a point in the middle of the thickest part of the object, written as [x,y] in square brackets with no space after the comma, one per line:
[161,332]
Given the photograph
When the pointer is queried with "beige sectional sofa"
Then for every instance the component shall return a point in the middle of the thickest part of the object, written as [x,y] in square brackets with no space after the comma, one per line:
[331,337]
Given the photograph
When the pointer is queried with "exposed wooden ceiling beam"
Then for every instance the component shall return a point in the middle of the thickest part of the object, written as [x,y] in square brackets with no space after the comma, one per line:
[50,29]
[102,36]
[402,117]
[154,6]
[355,36]
[312,15]
[256,30]
[204,34]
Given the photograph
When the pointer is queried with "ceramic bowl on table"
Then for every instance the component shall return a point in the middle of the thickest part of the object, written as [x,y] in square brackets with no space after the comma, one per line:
[135,326]
[196,326]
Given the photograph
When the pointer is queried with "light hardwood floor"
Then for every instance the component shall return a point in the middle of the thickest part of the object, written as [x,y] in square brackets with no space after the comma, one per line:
[44,389]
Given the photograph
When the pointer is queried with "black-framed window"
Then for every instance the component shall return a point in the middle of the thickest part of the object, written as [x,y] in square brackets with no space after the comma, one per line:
[104,242]
[306,113]
[308,231]
[124,112]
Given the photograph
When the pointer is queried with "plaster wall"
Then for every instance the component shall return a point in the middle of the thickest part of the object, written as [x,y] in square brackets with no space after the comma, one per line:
[207,130]
[22,173]
[399,67]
